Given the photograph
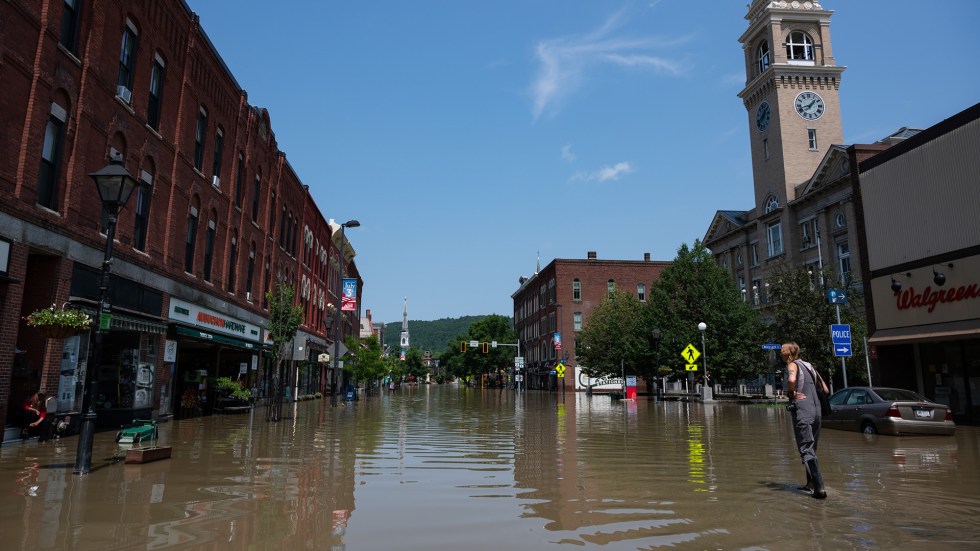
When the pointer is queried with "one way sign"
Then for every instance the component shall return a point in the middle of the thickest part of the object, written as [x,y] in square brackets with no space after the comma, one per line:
[840,335]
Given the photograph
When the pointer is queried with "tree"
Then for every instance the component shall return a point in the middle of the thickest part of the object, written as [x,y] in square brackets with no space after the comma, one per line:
[368,364]
[692,290]
[284,320]
[470,362]
[800,313]
[613,340]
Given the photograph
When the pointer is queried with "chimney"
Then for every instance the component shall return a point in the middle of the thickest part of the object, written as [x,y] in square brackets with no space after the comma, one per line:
[646,257]
[591,255]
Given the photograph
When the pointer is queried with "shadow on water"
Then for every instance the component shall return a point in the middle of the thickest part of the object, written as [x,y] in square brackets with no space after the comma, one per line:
[445,467]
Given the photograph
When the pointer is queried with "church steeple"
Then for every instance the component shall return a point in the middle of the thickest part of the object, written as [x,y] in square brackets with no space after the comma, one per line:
[404,336]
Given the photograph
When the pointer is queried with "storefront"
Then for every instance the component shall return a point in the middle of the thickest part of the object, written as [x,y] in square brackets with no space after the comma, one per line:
[207,345]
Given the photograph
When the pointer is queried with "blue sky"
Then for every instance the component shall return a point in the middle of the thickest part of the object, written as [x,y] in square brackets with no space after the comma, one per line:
[470,137]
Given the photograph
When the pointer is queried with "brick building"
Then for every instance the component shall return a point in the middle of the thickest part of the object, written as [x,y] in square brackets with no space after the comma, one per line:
[217,218]
[559,299]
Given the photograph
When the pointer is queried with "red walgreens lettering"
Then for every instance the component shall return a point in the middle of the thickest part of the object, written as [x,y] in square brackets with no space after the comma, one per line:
[928,298]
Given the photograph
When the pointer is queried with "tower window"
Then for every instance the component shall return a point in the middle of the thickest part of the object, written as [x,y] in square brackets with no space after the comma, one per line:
[799,47]
[765,147]
[772,203]
[811,134]
[763,56]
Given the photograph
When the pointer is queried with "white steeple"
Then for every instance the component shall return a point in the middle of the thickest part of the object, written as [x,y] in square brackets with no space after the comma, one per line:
[404,336]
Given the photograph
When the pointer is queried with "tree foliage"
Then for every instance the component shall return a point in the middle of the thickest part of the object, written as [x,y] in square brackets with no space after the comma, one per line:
[692,290]
[368,363]
[615,338]
[284,320]
[473,361]
[800,313]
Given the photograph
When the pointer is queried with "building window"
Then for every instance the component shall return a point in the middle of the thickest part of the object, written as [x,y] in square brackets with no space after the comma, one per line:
[551,291]
[811,134]
[202,127]
[775,233]
[739,260]
[267,286]
[755,253]
[763,56]
[127,59]
[772,203]
[232,261]
[70,18]
[577,321]
[839,220]
[191,239]
[765,148]
[155,102]
[255,197]
[808,234]
[799,47]
[611,286]
[756,289]
[576,289]
[641,292]
[141,223]
[844,258]
[240,181]
[219,141]
[54,134]
[272,214]
[209,249]
[250,273]
[282,230]
[741,286]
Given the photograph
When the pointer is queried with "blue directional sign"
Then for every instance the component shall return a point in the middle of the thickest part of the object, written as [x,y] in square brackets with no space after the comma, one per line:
[771,346]
[836,296]
[840,335]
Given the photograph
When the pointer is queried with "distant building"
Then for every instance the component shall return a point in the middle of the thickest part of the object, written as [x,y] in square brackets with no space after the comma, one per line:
[560,299]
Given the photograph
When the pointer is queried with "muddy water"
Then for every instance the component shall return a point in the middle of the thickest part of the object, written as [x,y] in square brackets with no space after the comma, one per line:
[449,468]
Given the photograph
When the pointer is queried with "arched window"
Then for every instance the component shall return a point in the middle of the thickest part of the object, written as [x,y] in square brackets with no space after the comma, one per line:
[191,237]
[799,47]
[763,56]
[772,203]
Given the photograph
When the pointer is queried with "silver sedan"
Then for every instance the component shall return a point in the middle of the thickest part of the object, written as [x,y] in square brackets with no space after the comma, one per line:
[874,410]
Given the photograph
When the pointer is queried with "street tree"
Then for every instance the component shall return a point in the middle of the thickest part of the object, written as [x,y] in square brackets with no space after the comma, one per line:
[284,320]
[693,290]
[368,363]
[463,362]
[800,312]
[613,340]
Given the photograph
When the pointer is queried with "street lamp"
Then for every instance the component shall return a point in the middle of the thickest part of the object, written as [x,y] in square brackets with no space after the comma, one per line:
[655,337]
[706,394]
[115,185]
[338,320]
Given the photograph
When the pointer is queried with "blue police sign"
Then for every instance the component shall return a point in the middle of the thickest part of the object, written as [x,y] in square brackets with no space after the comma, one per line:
[840,336]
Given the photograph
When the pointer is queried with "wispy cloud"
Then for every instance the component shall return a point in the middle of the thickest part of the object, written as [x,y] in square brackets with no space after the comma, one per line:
[566,153]
[564,63]
[604,174]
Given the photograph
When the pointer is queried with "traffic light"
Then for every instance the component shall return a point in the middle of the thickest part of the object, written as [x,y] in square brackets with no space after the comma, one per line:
[486,347]
[462,346]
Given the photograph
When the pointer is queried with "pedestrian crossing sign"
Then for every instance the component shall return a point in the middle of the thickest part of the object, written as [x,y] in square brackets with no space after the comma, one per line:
[690,354]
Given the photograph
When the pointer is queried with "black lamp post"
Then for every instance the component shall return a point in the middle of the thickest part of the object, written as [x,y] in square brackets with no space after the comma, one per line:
[655,337]
[115,185]
[338,320]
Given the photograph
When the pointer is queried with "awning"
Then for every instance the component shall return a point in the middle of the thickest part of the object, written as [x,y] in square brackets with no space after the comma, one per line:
[935,332]
[129,323]
[205,336]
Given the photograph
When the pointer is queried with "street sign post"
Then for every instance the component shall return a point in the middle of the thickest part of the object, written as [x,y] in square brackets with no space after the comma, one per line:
[840,335]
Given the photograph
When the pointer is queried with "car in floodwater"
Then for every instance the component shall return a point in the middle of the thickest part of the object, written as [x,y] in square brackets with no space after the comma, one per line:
[895,411]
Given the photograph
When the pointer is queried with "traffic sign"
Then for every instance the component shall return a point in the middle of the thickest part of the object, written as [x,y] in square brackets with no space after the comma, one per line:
[691,367]
[840,336]
[771,346]
[690,353]
[560,370]
[836,296]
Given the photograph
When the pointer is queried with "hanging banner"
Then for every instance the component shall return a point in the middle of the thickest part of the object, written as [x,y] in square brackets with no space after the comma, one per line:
[349,299]
[556,341]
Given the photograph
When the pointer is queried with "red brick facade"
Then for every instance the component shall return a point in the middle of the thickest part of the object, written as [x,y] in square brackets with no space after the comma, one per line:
[63,87]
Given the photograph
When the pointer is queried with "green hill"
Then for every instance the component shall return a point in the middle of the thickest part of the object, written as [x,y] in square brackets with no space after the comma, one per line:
[433,336]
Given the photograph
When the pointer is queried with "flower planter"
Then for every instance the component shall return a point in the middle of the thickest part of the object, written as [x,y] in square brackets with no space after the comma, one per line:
[146,455]
[57,331]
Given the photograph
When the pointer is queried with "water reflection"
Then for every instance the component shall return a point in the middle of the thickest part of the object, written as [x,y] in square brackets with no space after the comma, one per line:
[454,468]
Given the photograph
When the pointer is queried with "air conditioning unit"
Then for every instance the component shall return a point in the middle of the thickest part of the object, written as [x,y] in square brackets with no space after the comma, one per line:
[248,296]
[123,93]
[216,182]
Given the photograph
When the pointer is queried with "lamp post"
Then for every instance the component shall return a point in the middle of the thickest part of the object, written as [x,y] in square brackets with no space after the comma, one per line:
[655,336]
[706,393]
[115,185]
[338,320]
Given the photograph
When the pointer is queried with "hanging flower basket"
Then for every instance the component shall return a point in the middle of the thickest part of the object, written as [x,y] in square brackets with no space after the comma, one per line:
[55,323]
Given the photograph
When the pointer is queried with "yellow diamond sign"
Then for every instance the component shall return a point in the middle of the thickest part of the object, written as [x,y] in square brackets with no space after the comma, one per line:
[560,369]
[690,354]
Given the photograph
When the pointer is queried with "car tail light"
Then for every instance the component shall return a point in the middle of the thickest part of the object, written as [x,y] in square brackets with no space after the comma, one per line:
[949,415]
[893,412]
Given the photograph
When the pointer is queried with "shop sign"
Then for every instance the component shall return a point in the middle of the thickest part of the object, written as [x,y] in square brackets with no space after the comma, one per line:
[211,320]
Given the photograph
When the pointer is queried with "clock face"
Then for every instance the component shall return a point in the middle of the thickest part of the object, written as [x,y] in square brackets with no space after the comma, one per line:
[762,116]
[809,105]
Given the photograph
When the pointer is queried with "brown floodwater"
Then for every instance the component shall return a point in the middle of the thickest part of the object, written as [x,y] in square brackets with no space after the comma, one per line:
[453,468]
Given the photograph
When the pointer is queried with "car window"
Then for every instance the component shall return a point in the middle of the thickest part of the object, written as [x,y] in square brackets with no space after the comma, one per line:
[858,397]
[837,399]
[898,395]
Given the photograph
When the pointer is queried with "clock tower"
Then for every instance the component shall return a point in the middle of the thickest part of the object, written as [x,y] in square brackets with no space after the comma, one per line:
[791,96]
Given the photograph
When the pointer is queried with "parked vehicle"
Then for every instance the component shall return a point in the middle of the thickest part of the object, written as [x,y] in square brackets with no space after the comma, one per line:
[895,411]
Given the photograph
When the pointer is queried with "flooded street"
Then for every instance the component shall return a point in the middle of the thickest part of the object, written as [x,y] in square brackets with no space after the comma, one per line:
[451,468]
